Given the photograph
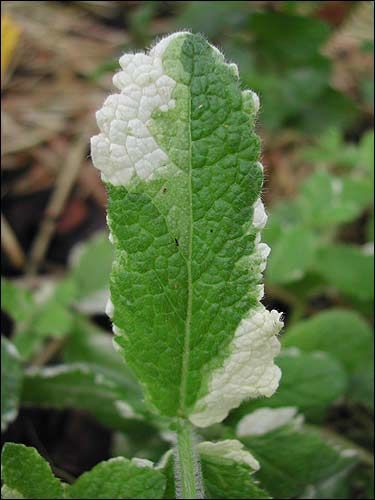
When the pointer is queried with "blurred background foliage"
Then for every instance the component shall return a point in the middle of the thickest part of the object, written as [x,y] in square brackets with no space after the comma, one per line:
[312,65]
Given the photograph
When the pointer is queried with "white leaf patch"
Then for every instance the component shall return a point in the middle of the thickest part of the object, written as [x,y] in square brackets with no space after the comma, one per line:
[265,420]
[125,147]
[230,449]
[249,371]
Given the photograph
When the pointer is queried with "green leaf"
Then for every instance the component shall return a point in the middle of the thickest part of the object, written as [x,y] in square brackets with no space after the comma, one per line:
[370,228]
[64,292]
[366,155]
[27,474]
[81,386]
[293,457]
[49,320]
[227,471]
[343,334]
[91,345]
[27,343]
[95,254]
[185,219]
[362,385]
[283,217]
[229,15]
[291,256]
[276,34]
[139,440]
[328,200]
[286,89]
[331,149]
[331,109]
[54,320]
[367,91]
[291,78]
[311,382]
[44,314]
[119,478]
[334,487]
[140,23]
[347,269]
[11,382]
[16,301]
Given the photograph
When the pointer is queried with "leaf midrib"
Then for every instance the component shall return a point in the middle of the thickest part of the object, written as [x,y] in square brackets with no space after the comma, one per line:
[186,349]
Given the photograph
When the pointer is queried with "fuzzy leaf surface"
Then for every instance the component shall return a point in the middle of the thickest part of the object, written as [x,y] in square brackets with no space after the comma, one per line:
[227,470]
[119,478]
[27,474]
[179,156]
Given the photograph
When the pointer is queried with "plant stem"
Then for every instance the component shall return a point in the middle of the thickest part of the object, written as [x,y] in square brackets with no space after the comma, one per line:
[188,476]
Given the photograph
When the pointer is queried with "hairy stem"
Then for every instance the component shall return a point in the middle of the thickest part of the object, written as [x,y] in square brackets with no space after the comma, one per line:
[188,475]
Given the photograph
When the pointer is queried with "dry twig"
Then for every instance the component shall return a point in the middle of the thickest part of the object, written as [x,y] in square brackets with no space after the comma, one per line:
[11,245]
[64,184]
[52,348]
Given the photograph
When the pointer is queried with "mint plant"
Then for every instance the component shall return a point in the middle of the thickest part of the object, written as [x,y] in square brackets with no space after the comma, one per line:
[180,160]
[116,478]
[302,231]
